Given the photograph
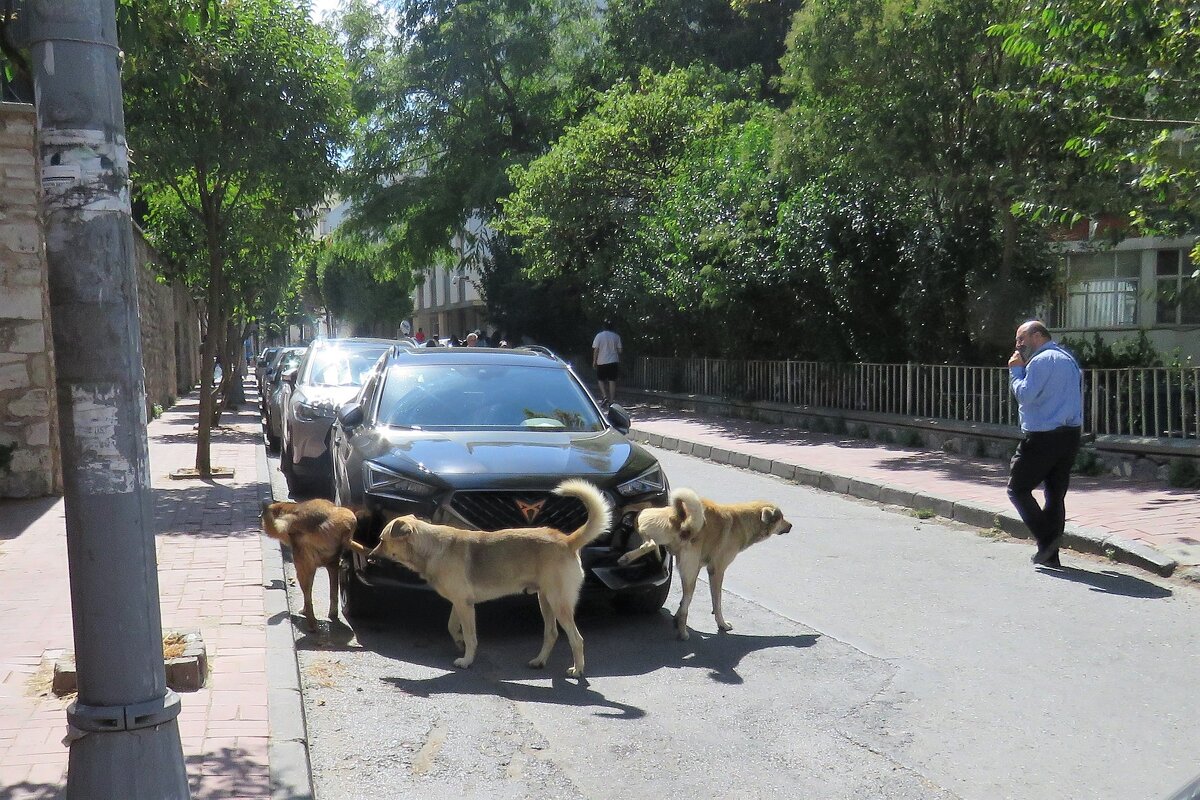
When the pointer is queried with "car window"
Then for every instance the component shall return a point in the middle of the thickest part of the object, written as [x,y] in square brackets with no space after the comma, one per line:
[485,396]
[341,366]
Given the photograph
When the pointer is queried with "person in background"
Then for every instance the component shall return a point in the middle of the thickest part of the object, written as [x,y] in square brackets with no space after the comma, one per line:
[606,358]
[1048,385]
[472,339]
[419,338]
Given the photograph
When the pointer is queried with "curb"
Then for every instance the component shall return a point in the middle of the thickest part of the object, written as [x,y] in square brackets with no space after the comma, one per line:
[290,768]
[1083,540]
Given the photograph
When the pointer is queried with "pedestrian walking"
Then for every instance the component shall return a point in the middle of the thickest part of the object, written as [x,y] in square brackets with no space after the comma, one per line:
[1048,385]
[606,357]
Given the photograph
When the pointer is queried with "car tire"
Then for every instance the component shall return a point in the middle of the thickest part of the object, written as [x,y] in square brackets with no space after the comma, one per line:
[273,442]
[646,601]
[358,600]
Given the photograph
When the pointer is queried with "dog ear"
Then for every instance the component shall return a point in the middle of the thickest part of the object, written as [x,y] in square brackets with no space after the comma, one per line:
[771,514]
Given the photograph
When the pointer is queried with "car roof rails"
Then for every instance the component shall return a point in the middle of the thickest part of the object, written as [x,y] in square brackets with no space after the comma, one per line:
[537,348]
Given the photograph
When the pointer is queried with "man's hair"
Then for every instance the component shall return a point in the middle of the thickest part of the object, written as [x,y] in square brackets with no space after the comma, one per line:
[1038,327]
[608,325]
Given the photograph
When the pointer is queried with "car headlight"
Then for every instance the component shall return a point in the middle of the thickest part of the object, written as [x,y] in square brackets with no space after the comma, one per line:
[319,410]
[648,482]
[383,481]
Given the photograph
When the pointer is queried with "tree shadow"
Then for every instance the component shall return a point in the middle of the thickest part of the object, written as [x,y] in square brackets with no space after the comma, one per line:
[1110,582]
[26,790]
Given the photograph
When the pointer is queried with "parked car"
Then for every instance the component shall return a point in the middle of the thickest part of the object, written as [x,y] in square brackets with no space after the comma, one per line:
[260,365]
[329,375]
[272,368]
[478,438]
[276,392]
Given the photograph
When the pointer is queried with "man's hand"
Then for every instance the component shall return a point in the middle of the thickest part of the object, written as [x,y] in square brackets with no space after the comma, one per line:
[1015,359]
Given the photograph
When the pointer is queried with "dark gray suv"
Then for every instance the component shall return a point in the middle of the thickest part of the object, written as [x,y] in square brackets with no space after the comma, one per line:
[478,438]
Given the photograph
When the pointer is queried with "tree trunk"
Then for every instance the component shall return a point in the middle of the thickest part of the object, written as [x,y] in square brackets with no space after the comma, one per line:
[209,351]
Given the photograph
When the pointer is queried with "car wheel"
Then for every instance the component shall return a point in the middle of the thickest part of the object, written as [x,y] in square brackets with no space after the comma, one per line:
[646,601]
[359,601]
[273,441]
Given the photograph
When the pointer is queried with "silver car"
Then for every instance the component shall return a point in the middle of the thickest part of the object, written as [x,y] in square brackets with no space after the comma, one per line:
[276,392]
[329,376]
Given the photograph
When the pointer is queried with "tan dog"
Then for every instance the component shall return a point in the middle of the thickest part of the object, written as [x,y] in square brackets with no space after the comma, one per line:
[316,531]
[704,533]
[469,567]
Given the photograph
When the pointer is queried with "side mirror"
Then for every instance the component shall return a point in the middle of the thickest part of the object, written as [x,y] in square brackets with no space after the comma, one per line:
[350,415]
[619,418]
[289,377]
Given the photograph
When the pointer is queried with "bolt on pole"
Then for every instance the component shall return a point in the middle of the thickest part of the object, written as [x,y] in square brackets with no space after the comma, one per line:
[123,728]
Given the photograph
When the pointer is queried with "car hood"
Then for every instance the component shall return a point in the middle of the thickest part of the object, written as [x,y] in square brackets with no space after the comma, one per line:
[463,458]
[335,396]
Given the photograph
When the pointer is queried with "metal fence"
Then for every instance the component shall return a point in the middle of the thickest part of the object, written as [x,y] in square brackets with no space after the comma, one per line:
[1159,402]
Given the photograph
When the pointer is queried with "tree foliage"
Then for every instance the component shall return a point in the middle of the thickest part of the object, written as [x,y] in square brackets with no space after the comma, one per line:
[235,113]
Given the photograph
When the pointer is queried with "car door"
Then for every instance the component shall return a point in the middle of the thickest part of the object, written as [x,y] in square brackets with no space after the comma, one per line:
[347,461]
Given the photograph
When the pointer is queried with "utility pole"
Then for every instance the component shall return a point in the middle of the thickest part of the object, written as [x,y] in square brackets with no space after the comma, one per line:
[125,733]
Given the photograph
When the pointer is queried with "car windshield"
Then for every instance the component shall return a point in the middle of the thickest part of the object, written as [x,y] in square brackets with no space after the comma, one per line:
[440,396]
[341,366]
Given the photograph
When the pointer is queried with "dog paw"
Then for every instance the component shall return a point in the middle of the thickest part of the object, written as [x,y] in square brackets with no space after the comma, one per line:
[462,662]
[725,626]
[574,673]
[538,663]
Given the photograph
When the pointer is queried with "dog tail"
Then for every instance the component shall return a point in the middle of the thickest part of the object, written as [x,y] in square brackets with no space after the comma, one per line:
[599,514]
[688,511]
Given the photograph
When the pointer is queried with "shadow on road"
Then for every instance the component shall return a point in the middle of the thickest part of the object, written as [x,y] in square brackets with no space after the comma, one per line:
[510,632]
[1110,582]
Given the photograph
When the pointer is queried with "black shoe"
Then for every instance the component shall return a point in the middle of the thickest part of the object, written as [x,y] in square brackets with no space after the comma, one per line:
[1047,553]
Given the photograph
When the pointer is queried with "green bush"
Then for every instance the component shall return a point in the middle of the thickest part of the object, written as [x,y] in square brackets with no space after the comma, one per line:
[839,427]
[911,438]
[884,436]
[862,432]
[1098,354]
[156,411]
[820,425]
[6,454]
[1087,463]
[1183,474]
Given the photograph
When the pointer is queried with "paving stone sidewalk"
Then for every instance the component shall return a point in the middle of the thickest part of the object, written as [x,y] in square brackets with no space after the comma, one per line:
[1146,524]
[211,578]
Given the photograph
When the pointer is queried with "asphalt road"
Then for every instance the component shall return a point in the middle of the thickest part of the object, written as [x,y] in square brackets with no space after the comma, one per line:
[873,655]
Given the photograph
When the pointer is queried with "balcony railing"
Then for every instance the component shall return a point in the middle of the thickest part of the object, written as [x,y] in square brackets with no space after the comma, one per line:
[1161,402]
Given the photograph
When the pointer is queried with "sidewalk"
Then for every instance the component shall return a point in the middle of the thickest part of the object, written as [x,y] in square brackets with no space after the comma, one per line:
[1145,524]
[211,560]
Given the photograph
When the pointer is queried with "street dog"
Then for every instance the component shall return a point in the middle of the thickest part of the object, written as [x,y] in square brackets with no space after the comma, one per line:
[703,533]
[468,567]
[316,531]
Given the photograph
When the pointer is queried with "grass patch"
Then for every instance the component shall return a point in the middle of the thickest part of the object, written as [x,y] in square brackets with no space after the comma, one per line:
[923,513]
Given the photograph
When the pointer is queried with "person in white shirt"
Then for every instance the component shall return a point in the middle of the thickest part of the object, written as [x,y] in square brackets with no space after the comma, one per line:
[606,355]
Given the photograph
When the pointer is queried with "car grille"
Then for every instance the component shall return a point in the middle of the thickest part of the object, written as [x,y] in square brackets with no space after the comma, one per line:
[492,511]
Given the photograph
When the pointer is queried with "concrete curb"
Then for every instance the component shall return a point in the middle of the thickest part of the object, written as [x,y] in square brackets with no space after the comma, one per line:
[291,770]
[1084,540]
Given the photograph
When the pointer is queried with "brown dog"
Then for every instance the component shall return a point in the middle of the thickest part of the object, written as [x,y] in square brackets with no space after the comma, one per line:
[317,531]
[469,567]
[703,533]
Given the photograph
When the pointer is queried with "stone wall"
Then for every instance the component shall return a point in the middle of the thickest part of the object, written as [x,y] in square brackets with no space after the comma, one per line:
[170,322]
[29,458]
[30,465]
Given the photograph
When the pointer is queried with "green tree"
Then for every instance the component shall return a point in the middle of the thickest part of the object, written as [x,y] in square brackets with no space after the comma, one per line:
[1128,76]
[902,93]
[357,286]
[238,113]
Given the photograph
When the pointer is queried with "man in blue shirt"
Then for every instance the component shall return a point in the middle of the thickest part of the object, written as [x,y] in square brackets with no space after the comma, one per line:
[1048,385]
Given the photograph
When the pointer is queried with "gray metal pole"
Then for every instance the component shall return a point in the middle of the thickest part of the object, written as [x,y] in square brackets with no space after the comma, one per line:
[127,743]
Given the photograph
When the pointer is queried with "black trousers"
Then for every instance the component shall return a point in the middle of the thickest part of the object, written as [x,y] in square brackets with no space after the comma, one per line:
[1043,458]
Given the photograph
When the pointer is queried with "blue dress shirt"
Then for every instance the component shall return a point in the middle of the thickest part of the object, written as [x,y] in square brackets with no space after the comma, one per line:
[1049,390]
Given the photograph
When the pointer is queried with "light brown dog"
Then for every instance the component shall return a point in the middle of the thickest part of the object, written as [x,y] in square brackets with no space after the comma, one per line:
[703,533]
[469,567]
[317,531]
